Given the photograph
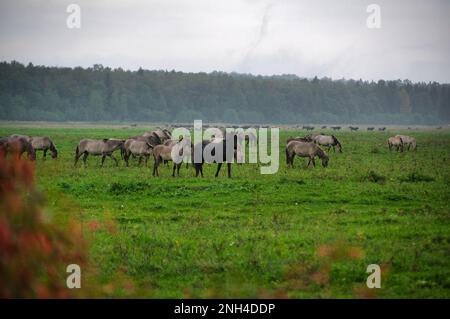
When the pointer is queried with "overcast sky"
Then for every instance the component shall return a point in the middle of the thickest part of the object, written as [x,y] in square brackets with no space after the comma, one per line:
[307,38]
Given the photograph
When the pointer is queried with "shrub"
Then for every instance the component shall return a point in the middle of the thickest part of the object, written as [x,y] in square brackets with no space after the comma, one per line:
[34,253]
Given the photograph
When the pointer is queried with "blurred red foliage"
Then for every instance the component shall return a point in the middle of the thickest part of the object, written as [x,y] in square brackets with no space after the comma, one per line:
[34,252]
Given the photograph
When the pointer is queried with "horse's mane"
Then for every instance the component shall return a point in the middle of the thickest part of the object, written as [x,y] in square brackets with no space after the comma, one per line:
[335,140]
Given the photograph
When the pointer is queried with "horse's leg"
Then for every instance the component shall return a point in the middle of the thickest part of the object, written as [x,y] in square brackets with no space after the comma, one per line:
[45,153]
[140,160]
[197,171]
[103,159]
[178,169]
[126,157]
[313,161]
[308,162]
[145,160]
[85,156]
[229,169]
[115,159]
[219,165]
[201,170]
[173,169]
[156,169]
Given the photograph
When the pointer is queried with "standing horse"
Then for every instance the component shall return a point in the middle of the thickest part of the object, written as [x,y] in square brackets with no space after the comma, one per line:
[408,141]
[396,142]
[104,147]
[164,153]
[303,149]
[220,145]
[137,148]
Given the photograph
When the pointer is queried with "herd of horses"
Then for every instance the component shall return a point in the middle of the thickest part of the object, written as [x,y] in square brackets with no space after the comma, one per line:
[159,144]
[337,128]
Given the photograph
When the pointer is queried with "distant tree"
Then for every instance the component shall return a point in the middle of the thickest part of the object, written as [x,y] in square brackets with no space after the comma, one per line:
[102,94]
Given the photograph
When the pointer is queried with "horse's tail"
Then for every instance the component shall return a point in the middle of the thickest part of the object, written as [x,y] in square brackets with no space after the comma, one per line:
[77,152]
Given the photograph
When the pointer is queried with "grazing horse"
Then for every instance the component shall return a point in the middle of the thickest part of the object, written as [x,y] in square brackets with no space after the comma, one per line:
[381,129]
[137,148]
[162,134]
[303,149]
[308,128]
[336,128]
[329,141]
[43,143]
[353,128]
[370,128]
[17,145]
[104,147]
[396,142]
[307,138]
[323,127]
[219,144]
[408,141]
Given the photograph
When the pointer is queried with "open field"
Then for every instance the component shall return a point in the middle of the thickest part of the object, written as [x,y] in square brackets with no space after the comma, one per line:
[300,233]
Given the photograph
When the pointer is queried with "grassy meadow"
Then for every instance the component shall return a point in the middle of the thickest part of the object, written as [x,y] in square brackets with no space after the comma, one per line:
[300,233]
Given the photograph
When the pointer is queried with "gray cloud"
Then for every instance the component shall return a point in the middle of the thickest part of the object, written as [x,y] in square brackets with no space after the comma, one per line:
[303,37]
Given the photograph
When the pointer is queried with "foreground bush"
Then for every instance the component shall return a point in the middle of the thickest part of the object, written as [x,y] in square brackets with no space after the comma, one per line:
[34,252]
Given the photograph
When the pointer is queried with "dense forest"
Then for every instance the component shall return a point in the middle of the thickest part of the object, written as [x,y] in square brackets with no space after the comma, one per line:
[116,95]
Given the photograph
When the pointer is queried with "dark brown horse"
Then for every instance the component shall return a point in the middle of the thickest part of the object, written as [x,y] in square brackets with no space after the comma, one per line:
[228,153]
[17,145]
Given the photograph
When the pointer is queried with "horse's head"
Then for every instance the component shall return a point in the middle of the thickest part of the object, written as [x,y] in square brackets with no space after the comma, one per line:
[54,153]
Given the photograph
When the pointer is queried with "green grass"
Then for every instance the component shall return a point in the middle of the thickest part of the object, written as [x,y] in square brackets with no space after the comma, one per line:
[260,235]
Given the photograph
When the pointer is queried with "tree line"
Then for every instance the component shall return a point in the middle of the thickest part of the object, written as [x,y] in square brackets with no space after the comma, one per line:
[98,93]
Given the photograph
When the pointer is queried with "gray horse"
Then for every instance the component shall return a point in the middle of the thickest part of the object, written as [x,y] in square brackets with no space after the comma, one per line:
[408,141]
[329,141]
[104,147]
[44,143]
[307,138]
[395,142]
[305,149]
[137,148]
